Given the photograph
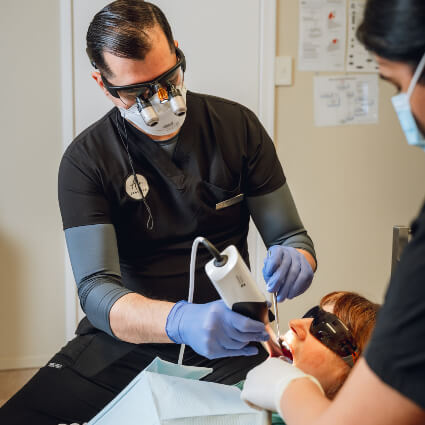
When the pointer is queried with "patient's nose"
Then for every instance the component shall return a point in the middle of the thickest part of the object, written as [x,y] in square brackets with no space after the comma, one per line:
[300,327]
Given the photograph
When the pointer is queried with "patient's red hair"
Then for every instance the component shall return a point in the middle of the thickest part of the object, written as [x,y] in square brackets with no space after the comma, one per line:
[356,312]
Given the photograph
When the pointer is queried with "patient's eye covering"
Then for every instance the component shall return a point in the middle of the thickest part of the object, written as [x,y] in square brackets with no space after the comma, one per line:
[334,334]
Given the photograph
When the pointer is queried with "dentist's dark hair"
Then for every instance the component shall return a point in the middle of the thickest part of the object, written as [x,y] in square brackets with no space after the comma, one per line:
[121,28]
[395,30]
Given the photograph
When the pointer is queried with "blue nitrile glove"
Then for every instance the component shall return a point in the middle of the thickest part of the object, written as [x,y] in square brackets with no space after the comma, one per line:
[286,272]
[213,330]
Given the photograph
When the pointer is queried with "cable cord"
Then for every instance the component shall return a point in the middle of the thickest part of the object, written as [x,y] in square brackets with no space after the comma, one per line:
[195,245]
[149,223]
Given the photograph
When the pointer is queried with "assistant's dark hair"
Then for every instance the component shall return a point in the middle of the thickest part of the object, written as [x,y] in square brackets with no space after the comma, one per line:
[120,28]
[394,29]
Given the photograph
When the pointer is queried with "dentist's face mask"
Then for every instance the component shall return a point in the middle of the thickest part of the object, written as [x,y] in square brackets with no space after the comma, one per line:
[156,118]
[402,107]
[158,106]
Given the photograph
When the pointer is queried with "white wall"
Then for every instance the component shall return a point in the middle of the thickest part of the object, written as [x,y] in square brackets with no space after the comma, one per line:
[31,241]
[351,184]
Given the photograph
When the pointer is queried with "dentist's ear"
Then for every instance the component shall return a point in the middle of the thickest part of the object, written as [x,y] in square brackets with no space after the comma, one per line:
[97,77]
[176,43]
[117,102]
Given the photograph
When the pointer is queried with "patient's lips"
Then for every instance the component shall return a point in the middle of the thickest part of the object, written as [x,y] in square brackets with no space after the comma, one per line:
[277,347]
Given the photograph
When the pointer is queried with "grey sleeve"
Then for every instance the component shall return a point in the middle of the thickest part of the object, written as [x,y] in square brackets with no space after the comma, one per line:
[277,220]
[94,259]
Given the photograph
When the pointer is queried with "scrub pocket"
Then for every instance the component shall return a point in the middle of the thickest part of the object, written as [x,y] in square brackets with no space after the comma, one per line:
[221,207]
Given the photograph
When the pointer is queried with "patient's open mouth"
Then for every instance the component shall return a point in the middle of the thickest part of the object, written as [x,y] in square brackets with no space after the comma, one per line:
[277,347]
[286,351]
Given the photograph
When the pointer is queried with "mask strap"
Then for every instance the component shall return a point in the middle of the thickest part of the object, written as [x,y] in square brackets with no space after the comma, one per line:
[416,76]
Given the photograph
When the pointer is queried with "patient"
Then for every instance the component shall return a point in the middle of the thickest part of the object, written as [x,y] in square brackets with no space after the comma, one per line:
[327,341]
[327,348]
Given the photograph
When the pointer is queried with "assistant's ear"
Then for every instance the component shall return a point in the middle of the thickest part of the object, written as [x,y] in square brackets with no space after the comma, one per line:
[176,43]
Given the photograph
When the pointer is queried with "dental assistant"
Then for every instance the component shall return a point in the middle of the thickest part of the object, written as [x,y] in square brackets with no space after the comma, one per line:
[164,166]
[387,386]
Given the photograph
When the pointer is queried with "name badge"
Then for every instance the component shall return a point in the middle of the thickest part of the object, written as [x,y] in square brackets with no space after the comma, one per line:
[229,202]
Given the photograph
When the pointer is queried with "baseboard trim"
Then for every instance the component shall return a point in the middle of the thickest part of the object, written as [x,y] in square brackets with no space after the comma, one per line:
[23,362]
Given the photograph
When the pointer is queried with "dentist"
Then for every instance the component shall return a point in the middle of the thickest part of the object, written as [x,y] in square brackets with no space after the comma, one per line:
[164,166]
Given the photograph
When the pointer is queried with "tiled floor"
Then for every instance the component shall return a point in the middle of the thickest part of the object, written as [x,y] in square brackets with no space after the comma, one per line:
[13,380]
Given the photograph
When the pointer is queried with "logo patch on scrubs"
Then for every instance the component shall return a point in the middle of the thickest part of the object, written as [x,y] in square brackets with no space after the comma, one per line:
[132,189]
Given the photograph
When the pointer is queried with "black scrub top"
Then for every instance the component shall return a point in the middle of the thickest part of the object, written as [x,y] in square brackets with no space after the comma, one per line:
[222,151]
[396,352]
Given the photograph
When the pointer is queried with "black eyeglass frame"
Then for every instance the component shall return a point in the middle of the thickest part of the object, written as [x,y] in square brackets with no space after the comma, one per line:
[344,345]
[150,85]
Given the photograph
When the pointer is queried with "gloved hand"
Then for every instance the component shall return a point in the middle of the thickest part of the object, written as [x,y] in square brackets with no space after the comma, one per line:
[266,383]
[286,272]
[213,330]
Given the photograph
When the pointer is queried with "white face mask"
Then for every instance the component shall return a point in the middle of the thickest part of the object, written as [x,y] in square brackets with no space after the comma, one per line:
[168,122]
[401,104]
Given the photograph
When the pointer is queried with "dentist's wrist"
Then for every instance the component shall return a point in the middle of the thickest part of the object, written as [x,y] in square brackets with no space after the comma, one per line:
[172,326]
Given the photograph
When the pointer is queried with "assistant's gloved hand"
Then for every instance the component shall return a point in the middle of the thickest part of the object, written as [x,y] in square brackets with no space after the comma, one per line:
[286,272]
[266,383]
[213,330]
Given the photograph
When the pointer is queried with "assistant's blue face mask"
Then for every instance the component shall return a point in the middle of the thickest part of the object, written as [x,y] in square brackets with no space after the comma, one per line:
[401,104]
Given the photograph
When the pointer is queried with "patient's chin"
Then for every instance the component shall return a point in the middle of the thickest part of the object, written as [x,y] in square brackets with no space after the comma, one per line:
[328,371]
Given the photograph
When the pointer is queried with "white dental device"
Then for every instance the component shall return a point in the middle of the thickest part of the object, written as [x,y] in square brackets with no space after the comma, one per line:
[238,289]
[236,286]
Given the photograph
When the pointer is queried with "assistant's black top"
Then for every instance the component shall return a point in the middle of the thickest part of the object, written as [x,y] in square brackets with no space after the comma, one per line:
[396,352]
[222,151]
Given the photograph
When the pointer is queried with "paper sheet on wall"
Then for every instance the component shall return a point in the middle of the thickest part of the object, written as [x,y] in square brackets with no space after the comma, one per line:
[358,58]
[322,35]
[345,100]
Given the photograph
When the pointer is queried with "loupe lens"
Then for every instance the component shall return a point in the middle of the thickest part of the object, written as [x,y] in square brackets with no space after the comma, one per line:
[177,103]
[150,117]
[178,106]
